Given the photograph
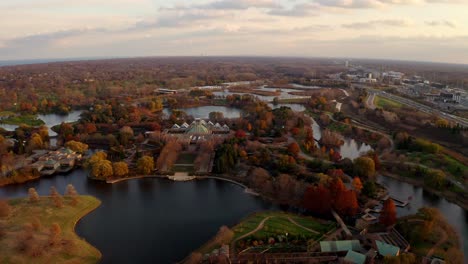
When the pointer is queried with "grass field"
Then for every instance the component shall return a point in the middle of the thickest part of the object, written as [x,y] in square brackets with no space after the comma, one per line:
[386,103]
[439,161]
[71,249]
[30,120]
[279,224]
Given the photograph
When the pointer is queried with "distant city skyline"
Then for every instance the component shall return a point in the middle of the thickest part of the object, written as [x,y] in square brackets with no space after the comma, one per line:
[419,30]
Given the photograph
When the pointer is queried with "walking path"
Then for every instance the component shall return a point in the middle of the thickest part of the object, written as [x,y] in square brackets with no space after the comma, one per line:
[262,224]
[440,242]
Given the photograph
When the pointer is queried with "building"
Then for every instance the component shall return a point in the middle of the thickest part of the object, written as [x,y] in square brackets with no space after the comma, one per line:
[199,130]
[385,249]
[354,257]
[165,91]
[340,245]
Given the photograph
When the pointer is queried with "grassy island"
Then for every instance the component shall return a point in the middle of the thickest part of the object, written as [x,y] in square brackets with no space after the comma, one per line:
[30,120]
[42,232]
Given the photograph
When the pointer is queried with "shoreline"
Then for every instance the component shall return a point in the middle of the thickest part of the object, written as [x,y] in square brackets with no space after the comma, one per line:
[447,196]
[85,213]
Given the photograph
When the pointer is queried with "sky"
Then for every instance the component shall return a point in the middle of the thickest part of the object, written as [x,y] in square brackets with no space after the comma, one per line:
[422,30]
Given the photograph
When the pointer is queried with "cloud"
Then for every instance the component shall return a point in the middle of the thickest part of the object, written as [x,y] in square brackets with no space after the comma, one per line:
[300,10]
[381,3]
[239,4]
[441,23]
[378,23]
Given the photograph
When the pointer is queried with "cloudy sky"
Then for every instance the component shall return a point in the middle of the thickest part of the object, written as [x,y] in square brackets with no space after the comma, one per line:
[427,30]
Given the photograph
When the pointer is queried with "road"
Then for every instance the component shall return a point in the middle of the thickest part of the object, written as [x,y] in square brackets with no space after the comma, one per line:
[423,108]
[370,101]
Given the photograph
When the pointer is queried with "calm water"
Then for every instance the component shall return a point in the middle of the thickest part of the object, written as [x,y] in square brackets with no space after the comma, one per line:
[454,214]
[151,220]
[350,149]
[204,111]
[51,120]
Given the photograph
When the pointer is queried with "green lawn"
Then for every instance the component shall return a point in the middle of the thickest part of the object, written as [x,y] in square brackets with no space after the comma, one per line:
[279,224]
[76,249]
[439,161]
[30,120]
[386,103]
[6,113]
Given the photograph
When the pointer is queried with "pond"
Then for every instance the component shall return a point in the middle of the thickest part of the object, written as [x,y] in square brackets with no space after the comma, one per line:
[284,93]
[351,148]
[204,111]
[151,220]
[51,120]
[454,214]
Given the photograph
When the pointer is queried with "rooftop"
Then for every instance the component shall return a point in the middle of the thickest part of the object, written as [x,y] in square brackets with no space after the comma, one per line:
[342,245]
[387,249]
[355,257]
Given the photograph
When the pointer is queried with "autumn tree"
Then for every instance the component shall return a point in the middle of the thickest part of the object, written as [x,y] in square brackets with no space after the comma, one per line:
[56,198]
[318,200]
[357,184]
[102,169]
[54,234]
[294,149]
[168,155]
[145,165]
[76,146]
[35,142]
[5,208]
[346,203]
[72,193]
[36,224]
[388,215]
[33,196]
[120,169]
[98,156]
[126,133]
[240,134]
[364,167]
[224,235]
[336,187]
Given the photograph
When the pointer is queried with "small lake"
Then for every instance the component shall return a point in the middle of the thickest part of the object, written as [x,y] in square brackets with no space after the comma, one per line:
[204,111]
[151,220]
[284,93]
[51,120]
[454,214]
[351,148]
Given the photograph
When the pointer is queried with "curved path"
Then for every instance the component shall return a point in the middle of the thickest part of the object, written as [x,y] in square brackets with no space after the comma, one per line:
[262,224]
[436,245]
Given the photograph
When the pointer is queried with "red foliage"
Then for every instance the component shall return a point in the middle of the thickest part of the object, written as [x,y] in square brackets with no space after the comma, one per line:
[335,173]
[294,149]
[337,187]
[346,203]
[376,159]
[335,157]
[295,131]
[240,134]
[318,199]
[388,215]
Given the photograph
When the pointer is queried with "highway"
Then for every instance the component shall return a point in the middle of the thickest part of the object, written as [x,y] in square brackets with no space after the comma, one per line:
[423,108]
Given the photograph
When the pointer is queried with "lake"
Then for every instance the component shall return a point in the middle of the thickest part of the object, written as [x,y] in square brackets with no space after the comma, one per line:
[454,214]
[204,111]
[351,148]
[151,220]
[51,120]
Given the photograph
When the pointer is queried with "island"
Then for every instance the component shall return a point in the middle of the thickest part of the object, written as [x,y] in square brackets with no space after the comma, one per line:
[40,229]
